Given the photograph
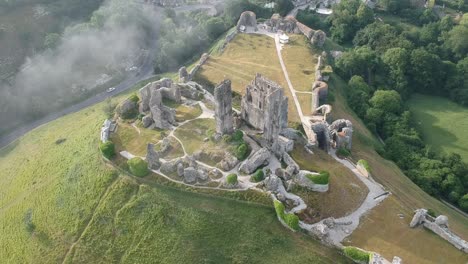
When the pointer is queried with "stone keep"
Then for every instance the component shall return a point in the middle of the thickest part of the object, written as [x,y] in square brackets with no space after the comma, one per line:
[247,19]
[265,107]
[223,108]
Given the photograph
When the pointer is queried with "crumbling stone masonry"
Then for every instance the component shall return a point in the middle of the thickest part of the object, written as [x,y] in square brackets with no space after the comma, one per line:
[341,133]
[247,19]
[223,108]
[439,226]
[265,107]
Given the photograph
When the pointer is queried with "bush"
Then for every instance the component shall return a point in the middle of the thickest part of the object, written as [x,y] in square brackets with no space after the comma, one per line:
[431,212]
[138,167]
[107,149]
[258,176]
[343,152]
[463,202]
[242,151]
[364,164]
[291,220]
[134,98]
[357,254]
[231,178]
[237,135]
[227,138]
[322,178]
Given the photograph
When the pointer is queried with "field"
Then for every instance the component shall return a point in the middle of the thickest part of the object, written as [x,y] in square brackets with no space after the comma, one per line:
[245,56]
[442,123]
[383,230]
[61,203]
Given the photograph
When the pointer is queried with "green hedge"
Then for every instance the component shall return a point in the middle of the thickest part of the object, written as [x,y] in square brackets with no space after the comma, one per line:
[258,176]
[322,178]
[291,220]
[242,151]
[365,164]
[357,254]
[138,167]
[107,149]
[231,178]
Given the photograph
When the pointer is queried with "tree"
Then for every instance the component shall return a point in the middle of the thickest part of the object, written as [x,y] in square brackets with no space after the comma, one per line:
[215,27]
[425,70]
[457,40]
[231,179]
[364,15]
[358,95]
[387,101]
[361,61]
[463,203]
[397,62]
[283,6]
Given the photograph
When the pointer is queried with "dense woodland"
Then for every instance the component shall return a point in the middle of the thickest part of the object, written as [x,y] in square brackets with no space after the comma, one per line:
[386,64]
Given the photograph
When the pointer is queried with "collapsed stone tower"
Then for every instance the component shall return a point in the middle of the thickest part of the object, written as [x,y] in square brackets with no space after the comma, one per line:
[152,103]
[223,108]
[341,133]
[265,107]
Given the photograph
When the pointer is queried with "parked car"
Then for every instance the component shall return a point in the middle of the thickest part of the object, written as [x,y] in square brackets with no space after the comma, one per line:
[111,89]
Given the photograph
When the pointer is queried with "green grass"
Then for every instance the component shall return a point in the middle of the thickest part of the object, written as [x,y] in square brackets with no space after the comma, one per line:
[134,139]
[87,212]
[390,233]
[442,123]
[357,254]
[322,178]
[246,55]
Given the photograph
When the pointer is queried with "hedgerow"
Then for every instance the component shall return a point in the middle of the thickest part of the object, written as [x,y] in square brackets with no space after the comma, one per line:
[357,254]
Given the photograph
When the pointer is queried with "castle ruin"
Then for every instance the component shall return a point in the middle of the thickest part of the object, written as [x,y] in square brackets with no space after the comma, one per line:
[223,108]
[265,107]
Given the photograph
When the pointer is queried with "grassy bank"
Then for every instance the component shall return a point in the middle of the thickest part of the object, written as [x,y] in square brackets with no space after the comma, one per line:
[60,202]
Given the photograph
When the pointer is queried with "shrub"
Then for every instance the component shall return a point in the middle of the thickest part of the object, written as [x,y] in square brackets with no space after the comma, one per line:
[322,178]
[343,152]
[138,167]
[107,149]
[431,212]
[364,164]
[231,178]
[291,220]
[258,176]
[357,254]
[242,151]
[237,135]
[134,98]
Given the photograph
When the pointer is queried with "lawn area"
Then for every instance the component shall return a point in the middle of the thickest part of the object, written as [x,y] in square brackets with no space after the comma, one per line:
[346,192]
[245,56]
[442,123]
[134,139]
[54,195]
[300,60]
[383,231]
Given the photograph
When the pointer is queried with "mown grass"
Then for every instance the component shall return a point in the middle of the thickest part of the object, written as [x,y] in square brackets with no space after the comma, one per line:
[134,139]
[382,230]
[442,123]
[300,61]
[245,56]
[84,211]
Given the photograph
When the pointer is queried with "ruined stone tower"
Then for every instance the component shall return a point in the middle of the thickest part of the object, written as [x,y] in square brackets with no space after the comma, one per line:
[265,107]
[223,107]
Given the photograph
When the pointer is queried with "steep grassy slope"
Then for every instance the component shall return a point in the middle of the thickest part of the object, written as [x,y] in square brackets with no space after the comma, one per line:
[61,203]
[383,230]
[442,123]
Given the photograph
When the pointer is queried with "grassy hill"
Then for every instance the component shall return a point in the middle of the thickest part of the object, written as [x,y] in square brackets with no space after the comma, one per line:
[442,123]
[61,204]
[382,230]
